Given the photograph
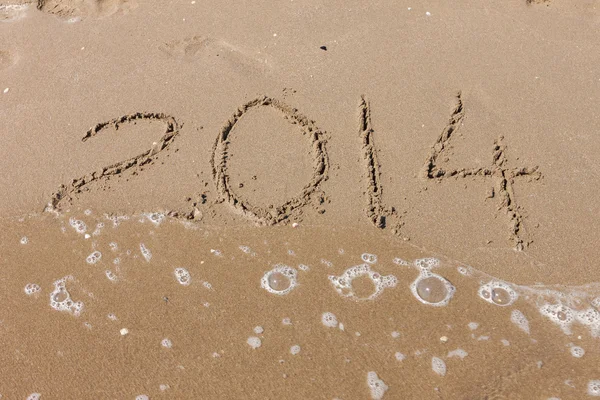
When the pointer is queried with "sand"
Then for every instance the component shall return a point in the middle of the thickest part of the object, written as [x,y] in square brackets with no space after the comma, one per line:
[232,139]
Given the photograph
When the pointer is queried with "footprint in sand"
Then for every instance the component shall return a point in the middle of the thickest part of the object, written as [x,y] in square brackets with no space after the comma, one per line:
[81,9]
[66,9]
[194,48]
[13,10]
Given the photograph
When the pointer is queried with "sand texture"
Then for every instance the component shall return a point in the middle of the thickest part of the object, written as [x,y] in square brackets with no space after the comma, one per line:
[190,171]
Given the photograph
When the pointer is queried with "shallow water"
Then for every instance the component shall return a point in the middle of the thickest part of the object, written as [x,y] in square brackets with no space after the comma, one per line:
[148,305]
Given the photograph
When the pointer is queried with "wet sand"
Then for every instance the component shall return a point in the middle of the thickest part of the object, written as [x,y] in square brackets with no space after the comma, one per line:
[129,276]
[301,138]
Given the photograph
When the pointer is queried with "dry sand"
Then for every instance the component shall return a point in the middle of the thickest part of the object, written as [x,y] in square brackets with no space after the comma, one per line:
[307,134]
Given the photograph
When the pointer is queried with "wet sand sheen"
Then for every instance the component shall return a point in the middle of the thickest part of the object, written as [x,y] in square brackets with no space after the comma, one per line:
[182,314]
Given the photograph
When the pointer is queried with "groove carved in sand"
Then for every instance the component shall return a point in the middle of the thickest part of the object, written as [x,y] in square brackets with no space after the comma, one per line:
[291,207]
[66,193]
[502,175]
[375,210]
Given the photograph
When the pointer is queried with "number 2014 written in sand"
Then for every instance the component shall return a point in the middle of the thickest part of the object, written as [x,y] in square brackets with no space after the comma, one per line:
[380,215]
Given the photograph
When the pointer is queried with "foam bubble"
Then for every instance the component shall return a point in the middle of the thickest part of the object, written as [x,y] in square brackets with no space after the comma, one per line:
[142,397]
[329,320]
[60,298]
[79,226]
[498,293]
[401,262]
[286,321]
[577,351]
[156,218]
[560,314]
[116,219]
[112,317]
[254,342]
[399,356]
[519,319]
[438,366]
[590,317]
[145,252]
[593,388]
[280,280]
[395,334]
[432,289]
[303,267]
[113,246]
[473,325]
[98,230]
[183,276]
[166,343]
[258,330]
[505,342]
[34,396]
[248,251]
[327,263]
[32,288]
[458,353]
[94,257]
[295,349]
[426,264]
[343,283]
[24,240]
[369,258]
[111,275]
[376,385]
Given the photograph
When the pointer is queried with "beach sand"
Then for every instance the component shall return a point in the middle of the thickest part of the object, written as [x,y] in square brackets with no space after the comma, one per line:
[160,161]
